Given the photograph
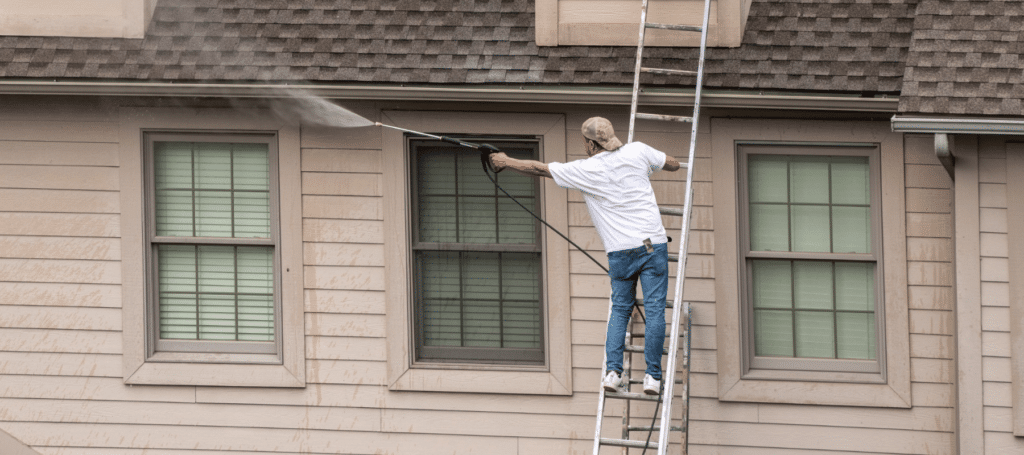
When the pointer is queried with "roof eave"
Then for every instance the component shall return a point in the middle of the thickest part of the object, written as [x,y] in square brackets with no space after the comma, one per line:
[496,93]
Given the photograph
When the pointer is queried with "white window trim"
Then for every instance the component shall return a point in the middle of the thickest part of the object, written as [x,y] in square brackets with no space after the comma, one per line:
[891,389]
[203,369]
[552,378]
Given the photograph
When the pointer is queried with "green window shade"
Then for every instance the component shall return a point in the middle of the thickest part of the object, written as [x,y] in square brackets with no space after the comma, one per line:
[209,292]
[457,203]
[817,309]
[815,204]
[477,299]
[212,189]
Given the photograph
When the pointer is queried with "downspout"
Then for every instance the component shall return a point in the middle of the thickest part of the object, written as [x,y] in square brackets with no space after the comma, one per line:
[944,153]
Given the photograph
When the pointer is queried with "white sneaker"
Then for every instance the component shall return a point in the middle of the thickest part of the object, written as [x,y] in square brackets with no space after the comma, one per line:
[612,382]
[651,386]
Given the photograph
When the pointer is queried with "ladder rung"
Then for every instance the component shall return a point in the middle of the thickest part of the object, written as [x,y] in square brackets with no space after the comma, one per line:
[673,258]
[672,210]
[681,28]
[667,118]
[634,348]
[648,428]
[667,71]
[629,443]
[632,396]
[641,381]
[640,302]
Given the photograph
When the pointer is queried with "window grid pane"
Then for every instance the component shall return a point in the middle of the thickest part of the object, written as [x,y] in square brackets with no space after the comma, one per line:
[213,292]
[475,299]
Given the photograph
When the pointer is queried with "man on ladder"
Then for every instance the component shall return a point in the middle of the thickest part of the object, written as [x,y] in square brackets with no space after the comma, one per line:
[615,182]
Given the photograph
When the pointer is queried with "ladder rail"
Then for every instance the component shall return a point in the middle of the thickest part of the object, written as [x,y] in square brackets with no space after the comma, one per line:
[666,412]
[636,71]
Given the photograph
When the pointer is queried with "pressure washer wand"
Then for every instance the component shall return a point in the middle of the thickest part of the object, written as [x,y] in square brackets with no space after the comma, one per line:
[486,150]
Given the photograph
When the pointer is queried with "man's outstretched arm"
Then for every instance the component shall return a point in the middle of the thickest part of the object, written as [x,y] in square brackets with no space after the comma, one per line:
[529,168]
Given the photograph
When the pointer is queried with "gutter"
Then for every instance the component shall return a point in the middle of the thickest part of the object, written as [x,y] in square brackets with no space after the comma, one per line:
[957,125]
[503,93]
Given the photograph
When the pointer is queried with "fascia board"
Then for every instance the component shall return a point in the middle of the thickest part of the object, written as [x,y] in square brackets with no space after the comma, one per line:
[503,94]
[948,125]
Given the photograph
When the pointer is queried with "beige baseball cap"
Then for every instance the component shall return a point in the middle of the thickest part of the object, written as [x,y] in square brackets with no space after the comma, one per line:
[600,129]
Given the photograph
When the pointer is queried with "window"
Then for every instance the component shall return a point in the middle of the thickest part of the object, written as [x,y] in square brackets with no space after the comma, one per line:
[505,340]
[477,258]
[211,248]
[811,257]
[212,243]
[811,301]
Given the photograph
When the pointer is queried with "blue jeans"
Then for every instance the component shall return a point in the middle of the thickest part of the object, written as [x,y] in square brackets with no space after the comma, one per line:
[625,268]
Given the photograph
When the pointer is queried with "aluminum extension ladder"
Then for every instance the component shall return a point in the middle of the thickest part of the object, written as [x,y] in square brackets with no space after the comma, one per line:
[679,308]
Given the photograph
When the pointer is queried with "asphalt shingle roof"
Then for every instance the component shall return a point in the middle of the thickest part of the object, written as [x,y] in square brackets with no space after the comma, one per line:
[966,59]
[831,45]
[961,57]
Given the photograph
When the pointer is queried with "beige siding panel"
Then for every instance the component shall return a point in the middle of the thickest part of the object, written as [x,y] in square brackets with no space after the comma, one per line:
[341,184]
[323,137]
[343,254]
[58,318]
[992,195]
[354,278]
[486,423]
[695,449]
[931,346]
[60,201]
[60,271]
[931,370]
[935,395]
[931,322]
[929,200]
[60,224]
[345,348]
[344,301]
[242,439]
[337,395]
[342,231]
[929,273]
[60,248]
[996,369]
[917,418]
[996,344]
[919,149]
[60,341]
[998,394]
[930,297]
[995,269]
[345,325]
[61,295]
[346,372]
[343,207]
[992,220]
[60,364]
[992,170]
[59,177]
[58,153]
[54,131]
[86,388]
[994,245]
[188,414]
[929,225]
[995,319]
[927,176]
[995,294]
[334,160]
[929,249]
[998,419]
[820,438]
[1003,444]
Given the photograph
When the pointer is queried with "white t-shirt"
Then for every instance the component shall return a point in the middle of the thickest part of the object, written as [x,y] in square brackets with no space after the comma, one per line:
[617,188]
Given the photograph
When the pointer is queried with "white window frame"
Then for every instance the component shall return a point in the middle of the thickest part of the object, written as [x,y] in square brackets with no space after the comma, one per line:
[554,376]
[143,364]
[738,382]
